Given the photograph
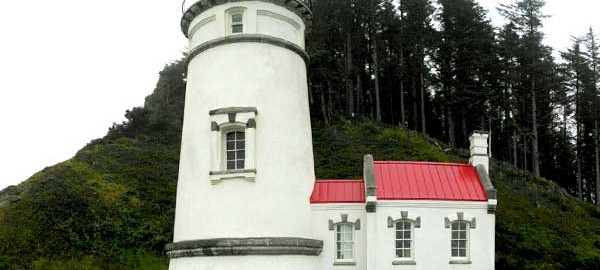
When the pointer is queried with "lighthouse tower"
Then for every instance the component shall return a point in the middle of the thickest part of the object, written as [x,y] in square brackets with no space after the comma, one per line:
[246,170]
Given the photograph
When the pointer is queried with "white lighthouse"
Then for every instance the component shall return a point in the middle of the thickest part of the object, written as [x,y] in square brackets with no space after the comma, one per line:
[246,171]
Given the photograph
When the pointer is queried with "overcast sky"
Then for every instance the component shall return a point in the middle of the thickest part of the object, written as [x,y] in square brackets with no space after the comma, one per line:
[70,68]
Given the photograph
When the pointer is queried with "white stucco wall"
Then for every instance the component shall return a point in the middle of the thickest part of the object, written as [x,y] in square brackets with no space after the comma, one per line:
[431,241]
[259,18]
[243,263]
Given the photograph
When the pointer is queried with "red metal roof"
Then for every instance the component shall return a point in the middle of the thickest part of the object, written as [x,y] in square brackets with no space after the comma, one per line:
[338,191]
[427,181]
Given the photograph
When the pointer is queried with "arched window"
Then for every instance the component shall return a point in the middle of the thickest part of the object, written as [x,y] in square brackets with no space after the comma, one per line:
[460,240]
[235,150]
[460,225]
[344,241]
[235,20]
[404,226]
[404,239]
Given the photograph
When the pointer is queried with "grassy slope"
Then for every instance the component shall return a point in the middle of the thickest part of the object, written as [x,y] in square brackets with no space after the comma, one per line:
[111,206]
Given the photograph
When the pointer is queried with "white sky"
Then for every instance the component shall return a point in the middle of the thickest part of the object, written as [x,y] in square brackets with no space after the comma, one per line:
[70,68]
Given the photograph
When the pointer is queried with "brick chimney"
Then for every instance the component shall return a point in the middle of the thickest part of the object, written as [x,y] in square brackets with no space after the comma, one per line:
[479,149]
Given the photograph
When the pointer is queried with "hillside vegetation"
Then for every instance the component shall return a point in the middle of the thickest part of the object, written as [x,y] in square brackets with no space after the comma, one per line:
[112,205]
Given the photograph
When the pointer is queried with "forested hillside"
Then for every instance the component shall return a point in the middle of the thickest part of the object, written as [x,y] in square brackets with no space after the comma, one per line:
[403,80]
[439,67]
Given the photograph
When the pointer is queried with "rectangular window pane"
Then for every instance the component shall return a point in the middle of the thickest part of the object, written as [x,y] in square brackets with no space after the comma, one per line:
[407,253]
[241,154]
[241,135]
[236,18]
[230,144]
[240,164]
[399,253]
[398,244]
[455,226]
[407,235]
[230,155]
[240,144]
[462,253]
[463,235]
[398,234]
[407,243]
[463,225]
[454,235]
[231,165]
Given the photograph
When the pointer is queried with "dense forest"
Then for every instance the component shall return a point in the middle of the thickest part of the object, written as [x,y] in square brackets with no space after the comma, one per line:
[439,67]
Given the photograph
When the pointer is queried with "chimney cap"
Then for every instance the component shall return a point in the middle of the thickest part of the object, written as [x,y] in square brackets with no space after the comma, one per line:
[480,132]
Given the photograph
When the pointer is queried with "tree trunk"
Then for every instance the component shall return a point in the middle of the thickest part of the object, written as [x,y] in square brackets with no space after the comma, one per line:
[597,163]
[349,84]
[451,127]
[359,94]
[402,109]
[415,105]
[324,106]
[375,66]
[525,167]
[535,155]
[515,148]
[423,123]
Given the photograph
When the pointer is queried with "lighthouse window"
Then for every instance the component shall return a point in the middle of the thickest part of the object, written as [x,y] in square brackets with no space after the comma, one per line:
[235,150]
[237,24]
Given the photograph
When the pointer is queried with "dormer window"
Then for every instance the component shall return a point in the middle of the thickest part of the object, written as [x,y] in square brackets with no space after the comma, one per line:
[235,150]
[237,24]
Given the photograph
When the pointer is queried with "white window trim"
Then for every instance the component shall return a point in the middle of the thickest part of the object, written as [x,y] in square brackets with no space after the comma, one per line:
[221,123]
[235,11]
[227,129]
[412,241]
[471,223]
[352,260]
[415,222]
[355,223]
[467,243]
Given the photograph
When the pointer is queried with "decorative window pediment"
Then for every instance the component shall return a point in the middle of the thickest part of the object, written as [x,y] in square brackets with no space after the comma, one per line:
[233,144]
[344,218]
[460,216]
[404,216]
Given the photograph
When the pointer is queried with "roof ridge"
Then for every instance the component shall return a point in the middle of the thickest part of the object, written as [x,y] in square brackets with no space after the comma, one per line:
[422,163]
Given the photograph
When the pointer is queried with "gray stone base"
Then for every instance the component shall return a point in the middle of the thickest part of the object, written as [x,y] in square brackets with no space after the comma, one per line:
[245,247]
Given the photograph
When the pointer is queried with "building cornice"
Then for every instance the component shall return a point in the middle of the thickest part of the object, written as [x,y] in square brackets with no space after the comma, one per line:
[296,6]
[244,246]
[257,38]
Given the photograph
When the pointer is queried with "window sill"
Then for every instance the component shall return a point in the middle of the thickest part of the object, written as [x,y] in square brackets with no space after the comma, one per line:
[218,176]
[344,262]
[404,262]
[460,261]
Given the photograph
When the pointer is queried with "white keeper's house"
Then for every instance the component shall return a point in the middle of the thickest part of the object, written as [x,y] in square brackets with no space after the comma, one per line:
[247,197]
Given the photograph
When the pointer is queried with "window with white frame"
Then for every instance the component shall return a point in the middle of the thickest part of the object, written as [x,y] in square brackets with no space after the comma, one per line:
[235,150]
[460,241]
[344,240]
[404,239]
[232,147]
[237,23]
[235,18]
